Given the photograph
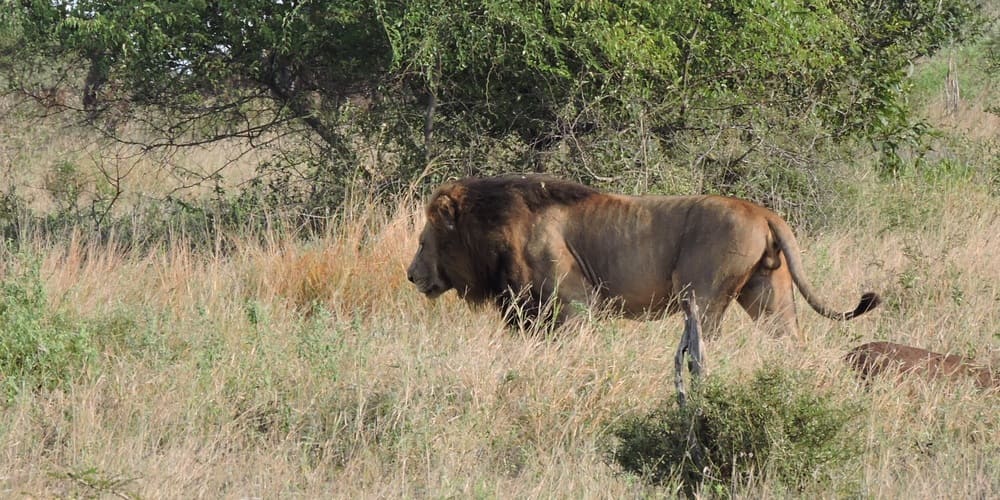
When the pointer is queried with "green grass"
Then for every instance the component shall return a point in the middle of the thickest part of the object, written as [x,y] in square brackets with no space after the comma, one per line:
[41,348]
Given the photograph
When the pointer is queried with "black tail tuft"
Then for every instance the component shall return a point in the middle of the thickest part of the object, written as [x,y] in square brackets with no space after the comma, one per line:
[869,301]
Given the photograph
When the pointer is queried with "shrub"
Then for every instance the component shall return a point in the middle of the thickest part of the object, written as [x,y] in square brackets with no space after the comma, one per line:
[40,348]
[774,426]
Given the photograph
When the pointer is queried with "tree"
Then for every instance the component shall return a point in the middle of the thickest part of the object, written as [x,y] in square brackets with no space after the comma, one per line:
[436,79]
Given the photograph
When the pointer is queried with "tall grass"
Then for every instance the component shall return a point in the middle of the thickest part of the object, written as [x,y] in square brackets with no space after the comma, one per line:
[283,367]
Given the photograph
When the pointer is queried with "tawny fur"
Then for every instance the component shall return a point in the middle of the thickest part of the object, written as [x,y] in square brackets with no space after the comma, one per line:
[523,242]
[902,361]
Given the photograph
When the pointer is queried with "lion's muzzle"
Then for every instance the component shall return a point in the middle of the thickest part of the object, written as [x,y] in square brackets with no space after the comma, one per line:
[425,283]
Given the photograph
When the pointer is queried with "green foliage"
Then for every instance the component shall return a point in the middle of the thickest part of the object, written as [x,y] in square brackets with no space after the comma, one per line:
[775,426]
[395,93]
[40,348]
[321,346]
[92,482]
[65,185]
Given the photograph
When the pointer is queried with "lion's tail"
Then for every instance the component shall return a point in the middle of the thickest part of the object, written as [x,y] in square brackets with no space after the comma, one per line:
[790,247]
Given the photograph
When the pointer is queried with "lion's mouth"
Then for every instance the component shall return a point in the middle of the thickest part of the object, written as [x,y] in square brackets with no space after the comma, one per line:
[431,290]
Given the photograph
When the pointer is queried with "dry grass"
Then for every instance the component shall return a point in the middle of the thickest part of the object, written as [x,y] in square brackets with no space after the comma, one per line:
[312,369]
[54,163]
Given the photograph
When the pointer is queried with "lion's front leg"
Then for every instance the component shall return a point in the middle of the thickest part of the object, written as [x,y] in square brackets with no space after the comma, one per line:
[538,309]
[560,291]
[522,309]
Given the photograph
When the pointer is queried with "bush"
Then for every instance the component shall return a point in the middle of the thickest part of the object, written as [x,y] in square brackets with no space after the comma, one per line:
[39,348]
[775,426]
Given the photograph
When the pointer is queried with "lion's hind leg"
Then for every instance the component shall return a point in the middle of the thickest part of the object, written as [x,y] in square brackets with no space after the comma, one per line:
[714,299]
[769,296]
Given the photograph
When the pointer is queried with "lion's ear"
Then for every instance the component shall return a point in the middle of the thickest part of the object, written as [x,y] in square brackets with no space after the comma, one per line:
[444,209]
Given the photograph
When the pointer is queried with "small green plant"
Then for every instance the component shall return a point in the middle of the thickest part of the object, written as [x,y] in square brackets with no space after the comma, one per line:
[65,183]
[775,426]
[39,347]
[94,483]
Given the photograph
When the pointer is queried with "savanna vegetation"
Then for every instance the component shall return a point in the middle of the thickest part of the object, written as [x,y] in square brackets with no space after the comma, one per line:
[207,209]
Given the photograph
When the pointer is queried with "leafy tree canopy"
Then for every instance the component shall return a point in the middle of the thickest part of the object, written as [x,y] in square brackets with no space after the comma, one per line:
[434,77]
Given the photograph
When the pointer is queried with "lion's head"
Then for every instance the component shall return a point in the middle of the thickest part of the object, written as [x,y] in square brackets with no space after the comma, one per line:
[447,249]
[473,226]
[427,271]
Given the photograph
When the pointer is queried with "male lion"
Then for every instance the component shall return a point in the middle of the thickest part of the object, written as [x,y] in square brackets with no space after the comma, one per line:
[533,244]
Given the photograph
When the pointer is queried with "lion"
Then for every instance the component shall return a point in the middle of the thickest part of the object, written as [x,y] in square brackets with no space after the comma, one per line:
[889,358]
[541,248]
